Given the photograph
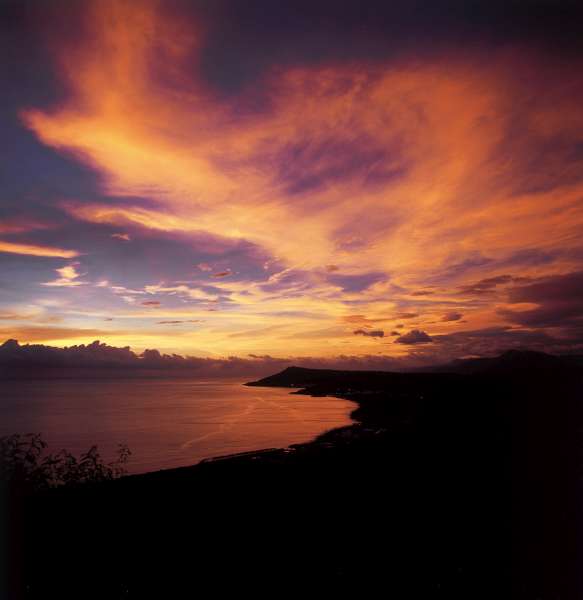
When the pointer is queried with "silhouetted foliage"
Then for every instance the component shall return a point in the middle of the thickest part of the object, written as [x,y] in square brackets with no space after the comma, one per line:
[25,464]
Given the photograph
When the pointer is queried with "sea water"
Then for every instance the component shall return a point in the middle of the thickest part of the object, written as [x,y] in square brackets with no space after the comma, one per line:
[165,422]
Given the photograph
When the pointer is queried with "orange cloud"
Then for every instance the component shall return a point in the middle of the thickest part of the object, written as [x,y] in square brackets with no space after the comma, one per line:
[68,276]
[47,334]
[33,250]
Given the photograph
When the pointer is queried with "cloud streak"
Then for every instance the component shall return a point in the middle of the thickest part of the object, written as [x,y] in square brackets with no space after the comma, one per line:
[34,250]
[378,333]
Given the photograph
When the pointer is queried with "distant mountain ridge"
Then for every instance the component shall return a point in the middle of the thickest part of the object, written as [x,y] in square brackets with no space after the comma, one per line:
[512,362]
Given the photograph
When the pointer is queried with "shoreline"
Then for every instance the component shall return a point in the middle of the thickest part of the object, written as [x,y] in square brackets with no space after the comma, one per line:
[321,441]
[446,486]
[171,424]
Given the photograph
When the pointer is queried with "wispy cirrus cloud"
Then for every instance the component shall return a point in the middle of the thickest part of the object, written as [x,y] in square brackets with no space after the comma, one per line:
[359,191]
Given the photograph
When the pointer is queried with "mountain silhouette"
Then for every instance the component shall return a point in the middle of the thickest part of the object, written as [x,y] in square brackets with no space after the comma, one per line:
[510,363]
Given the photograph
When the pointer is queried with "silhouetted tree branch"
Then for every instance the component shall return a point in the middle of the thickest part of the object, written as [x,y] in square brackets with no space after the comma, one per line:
[25,464]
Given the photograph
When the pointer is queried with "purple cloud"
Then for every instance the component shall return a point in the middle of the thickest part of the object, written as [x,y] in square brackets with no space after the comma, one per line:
[371,333]
[488,285]
[222,274]
[178,322]
[356,283]
[415,336]
[452,316]
[559,299]
[100,360]
[313,164]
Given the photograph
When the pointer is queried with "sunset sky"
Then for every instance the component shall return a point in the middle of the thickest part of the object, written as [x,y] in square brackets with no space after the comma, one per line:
[293,178]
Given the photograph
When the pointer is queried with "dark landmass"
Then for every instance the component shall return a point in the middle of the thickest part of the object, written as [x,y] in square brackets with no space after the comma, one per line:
[448,485]
[512,362]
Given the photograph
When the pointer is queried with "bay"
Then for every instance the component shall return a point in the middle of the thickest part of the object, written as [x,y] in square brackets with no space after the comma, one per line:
[165,422]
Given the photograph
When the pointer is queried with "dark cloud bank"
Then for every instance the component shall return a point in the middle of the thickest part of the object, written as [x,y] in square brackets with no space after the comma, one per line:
[559,304]
[100,360]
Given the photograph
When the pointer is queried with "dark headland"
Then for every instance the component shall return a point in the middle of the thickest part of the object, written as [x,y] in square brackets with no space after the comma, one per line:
[464,482]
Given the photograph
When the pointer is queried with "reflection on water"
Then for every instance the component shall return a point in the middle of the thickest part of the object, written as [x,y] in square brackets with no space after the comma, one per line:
[165,422]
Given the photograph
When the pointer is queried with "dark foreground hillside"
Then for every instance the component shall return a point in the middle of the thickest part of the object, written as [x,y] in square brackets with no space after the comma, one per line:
[449,486]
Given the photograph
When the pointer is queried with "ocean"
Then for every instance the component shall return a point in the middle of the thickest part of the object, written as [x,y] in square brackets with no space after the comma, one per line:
[165,422]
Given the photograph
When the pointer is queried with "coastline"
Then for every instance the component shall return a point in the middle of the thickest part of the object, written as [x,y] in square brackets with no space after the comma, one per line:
[323,442]
[165,423]
[443,488]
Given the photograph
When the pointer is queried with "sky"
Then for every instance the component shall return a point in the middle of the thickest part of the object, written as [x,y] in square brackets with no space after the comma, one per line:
[309,179]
